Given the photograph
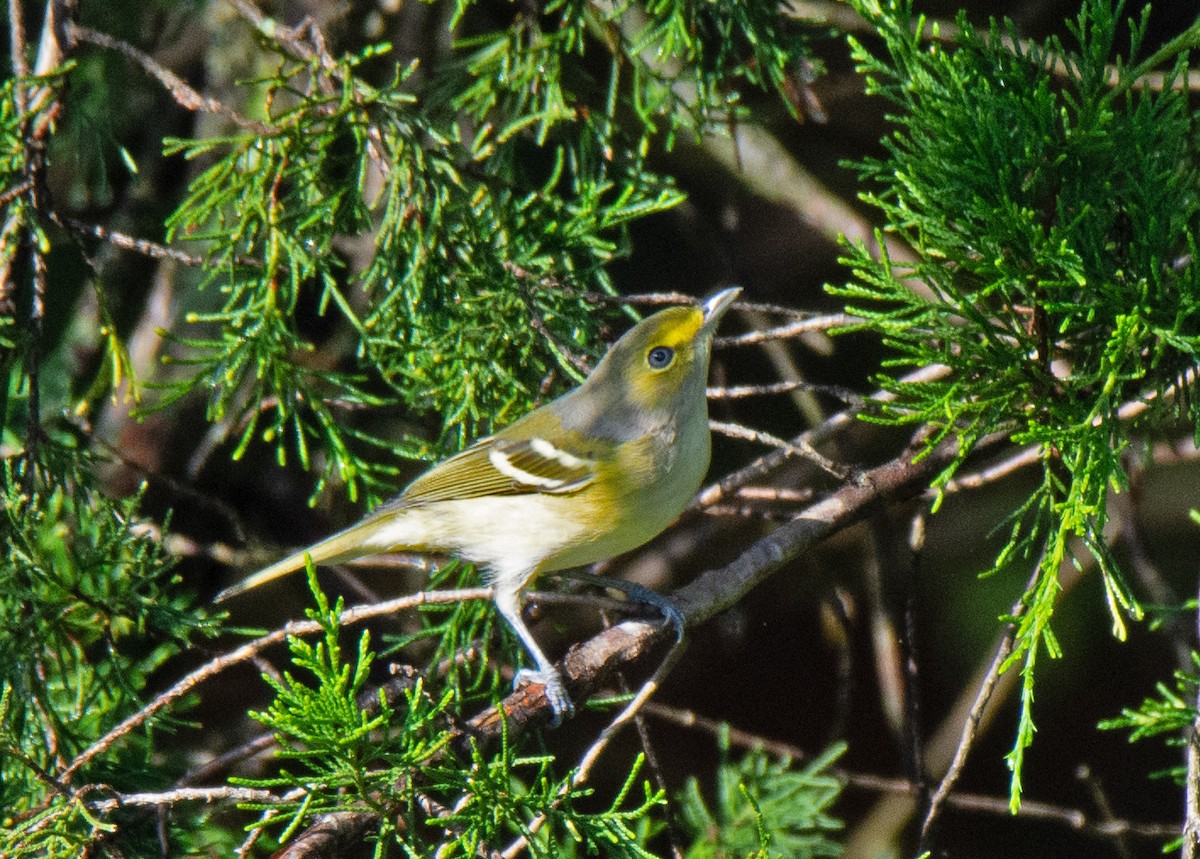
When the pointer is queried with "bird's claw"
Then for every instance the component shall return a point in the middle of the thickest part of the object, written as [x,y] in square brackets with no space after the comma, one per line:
[556,692]
[639,594]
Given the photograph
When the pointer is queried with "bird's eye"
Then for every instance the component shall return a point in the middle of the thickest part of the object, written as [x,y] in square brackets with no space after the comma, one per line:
[660,357]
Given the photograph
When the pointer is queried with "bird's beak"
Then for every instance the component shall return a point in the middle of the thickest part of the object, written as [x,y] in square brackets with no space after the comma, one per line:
[715,306]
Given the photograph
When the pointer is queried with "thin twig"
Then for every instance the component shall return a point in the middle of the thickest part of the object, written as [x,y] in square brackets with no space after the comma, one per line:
[15,191]
[1010,464]
[910,650]
[185,794]
[792,329]
[33,348]
[1072,818]
[1100,799]
[185,96]
[661,299]
[804,450]
[885,634]
[741,392]
[778,494]
[251,649]
[675,837]
[784,497]
[154,250]
[974,717]
[769,462]
[222,762]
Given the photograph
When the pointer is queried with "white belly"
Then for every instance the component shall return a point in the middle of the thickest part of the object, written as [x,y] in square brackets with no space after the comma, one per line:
[509,535]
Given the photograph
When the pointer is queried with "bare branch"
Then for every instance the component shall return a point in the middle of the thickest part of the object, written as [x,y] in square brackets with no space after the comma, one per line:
[154,250]
[767,463]
[589,666]
[785,332]
[804,450]
[183,93]
[1072,818]
[743,391]
[226,793]
[251,649]
[971,725]
[993,473]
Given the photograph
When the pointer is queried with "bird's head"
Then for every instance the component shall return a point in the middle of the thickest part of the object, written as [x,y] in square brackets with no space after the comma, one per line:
[665,356]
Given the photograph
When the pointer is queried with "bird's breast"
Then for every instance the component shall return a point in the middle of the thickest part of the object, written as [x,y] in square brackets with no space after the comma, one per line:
[652,481]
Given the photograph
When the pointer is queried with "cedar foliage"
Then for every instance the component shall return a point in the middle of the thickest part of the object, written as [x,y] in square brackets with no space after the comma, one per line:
[428,234]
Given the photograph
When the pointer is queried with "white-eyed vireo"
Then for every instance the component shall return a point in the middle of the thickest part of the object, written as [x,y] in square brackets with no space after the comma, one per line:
[597,472]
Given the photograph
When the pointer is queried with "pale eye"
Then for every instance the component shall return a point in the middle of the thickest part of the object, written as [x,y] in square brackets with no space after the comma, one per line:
[660,357]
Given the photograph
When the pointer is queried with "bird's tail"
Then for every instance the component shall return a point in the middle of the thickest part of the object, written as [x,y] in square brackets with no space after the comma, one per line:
[342,546]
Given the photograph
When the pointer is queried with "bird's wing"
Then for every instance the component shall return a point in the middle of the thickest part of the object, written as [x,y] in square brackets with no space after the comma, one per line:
[501,466]
[498,465]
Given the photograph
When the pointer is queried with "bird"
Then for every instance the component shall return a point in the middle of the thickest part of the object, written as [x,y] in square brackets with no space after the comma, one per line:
[593,474]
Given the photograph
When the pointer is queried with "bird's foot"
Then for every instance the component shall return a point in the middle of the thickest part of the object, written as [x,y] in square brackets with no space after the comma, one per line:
[637,593]
[556,692]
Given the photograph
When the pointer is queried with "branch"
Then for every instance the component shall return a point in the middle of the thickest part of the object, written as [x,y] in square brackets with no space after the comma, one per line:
[843,18]
[184,794]
[789,330]
[332,835]
[970,727]
[741,392]
[979,803]
[250,650]
[37,108]
[153,250]
[803,450]
[185,96]
[588,667]
[767,463]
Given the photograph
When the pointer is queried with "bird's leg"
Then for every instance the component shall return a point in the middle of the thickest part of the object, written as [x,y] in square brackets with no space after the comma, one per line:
[636,593]
[508,603]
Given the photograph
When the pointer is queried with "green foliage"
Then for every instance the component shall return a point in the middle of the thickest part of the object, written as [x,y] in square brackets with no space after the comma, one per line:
[16,118]
[339,752]
[396,259]
[677,66]
[764,809]
[1172,712]
[450,630]
[1172,715]
[89,609]
[477,226]
[1054,220]
[342,750]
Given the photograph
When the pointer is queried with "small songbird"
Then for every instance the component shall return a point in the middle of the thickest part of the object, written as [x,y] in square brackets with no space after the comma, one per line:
[597,472]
